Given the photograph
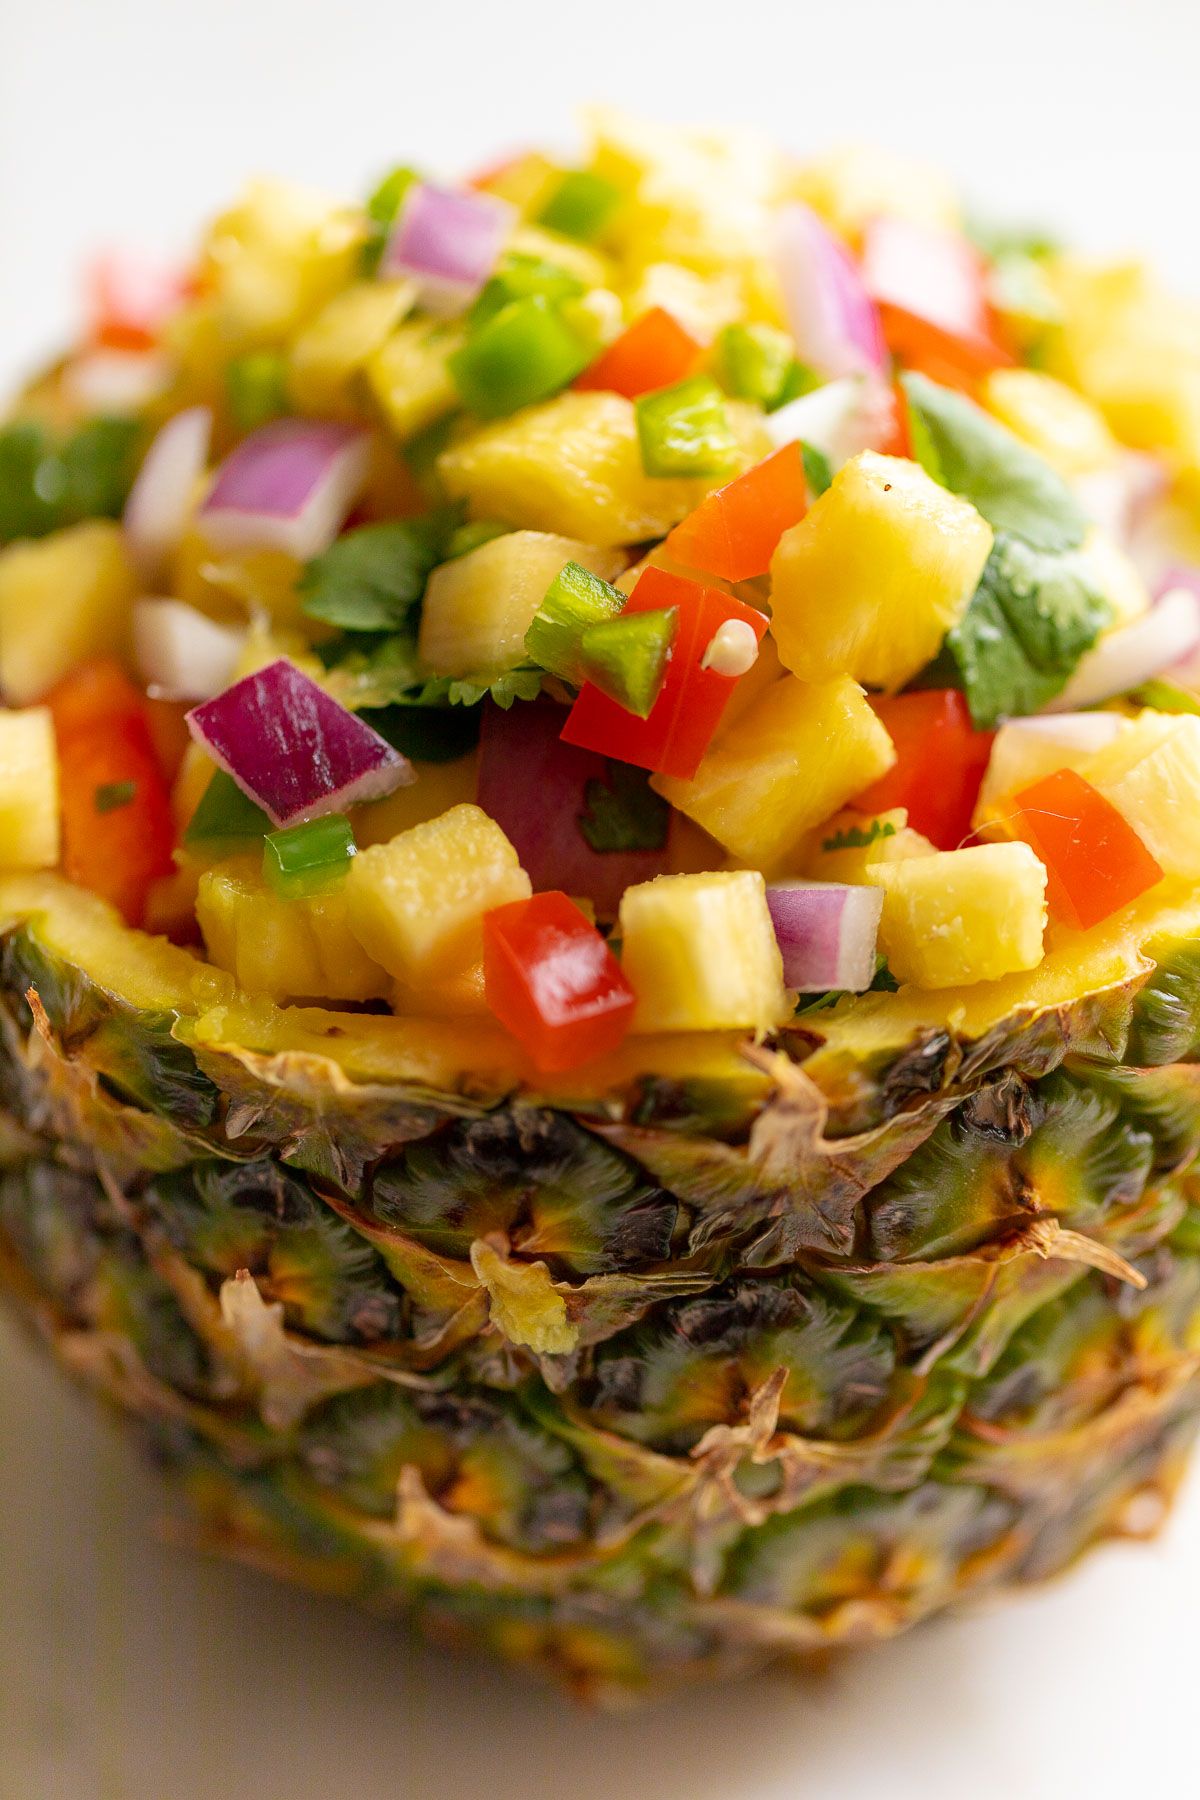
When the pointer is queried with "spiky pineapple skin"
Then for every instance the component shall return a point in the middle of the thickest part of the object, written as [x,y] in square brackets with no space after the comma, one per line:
[663,1382]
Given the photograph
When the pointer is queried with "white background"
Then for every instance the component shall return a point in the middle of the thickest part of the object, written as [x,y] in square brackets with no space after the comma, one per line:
[129,1671]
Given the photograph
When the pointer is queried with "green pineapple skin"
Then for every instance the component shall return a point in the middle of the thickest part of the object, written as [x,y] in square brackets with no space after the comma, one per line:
[666,1387]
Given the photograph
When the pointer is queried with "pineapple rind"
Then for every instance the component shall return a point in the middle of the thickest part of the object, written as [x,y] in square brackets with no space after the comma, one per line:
[912,1322]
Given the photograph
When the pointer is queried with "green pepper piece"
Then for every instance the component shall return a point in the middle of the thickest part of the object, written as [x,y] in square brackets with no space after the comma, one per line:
[626,657]
[684,430]
[303,859]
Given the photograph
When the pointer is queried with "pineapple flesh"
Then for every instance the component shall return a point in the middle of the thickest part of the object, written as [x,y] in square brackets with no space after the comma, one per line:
[789,1321]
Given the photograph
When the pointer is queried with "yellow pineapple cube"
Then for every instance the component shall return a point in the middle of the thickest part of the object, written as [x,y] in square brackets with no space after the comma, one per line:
[333,347]
[1027,750]
[29,837]
[876,573]
[478,607]
[63,599]
[864,840]
[854,183]
[1052,418]
[459,996]
[573,465]
[438,787]
[701,954]
[408,375]
[961,916]
[275,258]
[417,903]
[1151,774]
[793,757]
[287,949]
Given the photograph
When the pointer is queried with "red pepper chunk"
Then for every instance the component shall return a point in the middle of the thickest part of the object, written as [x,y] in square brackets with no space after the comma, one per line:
[940,763]
[1095,861]
[680,726]
[118,832]
[931,289]
[734,531]
[552,981]
[654,352]
[130,301]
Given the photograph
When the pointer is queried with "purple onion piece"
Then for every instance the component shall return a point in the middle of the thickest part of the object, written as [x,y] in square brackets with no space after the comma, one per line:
[832,318]
[447,241]
[293,749]
[288,486]
[826,931]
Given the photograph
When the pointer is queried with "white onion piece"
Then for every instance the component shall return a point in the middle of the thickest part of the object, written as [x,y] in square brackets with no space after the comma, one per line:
[1165,635]
[160,500]
[182,655]
[832,318]
[447,242]
[840,419]
[289,486]
[1085,732]
[119,382]
[826,931]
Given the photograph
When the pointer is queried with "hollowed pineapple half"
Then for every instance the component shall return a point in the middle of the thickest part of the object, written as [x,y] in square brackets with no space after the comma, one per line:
[688,1362]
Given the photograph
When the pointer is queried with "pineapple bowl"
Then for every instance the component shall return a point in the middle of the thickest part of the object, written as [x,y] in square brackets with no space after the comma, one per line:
[600,896]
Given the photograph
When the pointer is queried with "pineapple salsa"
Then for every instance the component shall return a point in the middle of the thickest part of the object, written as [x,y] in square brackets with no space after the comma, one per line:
[600,895]
[672,594]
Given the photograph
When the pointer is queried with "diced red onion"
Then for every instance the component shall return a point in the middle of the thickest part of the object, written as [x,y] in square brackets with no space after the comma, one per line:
[1118,497]
[826,931]
[535,787]
[160,499]
[119,382]
[839,419]
[289,486]
[447,241]
[936,275]
[181,654]
[832,317]
[293,749]
[1161,638]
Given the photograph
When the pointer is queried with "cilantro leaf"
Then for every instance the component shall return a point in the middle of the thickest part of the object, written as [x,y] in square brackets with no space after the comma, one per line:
[1030,620]
[624,812]
[818,473]
[980,459]
[371,578]
[854,838]
[45,485]
[388,673]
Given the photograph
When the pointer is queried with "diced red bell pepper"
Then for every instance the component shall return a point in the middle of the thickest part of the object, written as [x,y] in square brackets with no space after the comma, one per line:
[734,530]
[654,352]
[129,301]
[118,832]
[1095,860]
[552,981]
[899,440]
[681,723]
[931,289]
[940,763]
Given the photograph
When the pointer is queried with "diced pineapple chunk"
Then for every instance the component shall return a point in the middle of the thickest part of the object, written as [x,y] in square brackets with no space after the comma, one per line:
[573,465]
[1026,750]
[287,949]
[417,903]
[273,259]
[1115,576]
[872,578]
[587,265]
[63,599]
[1063,427]
[854,183]
[793,757]
[1151,774]
[866,840]
[702,304]
[333,347]
[438,787]
[409,378]
[459,996]
[701,954]
[478,607]
[961,916]
[29,836]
